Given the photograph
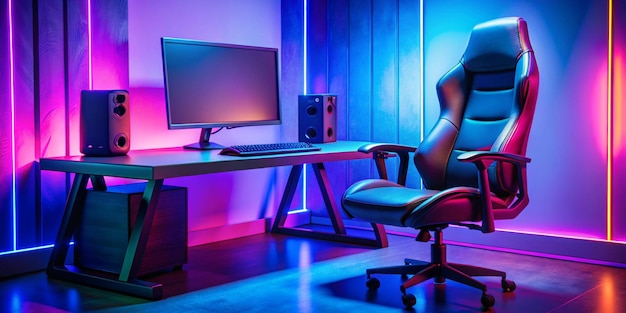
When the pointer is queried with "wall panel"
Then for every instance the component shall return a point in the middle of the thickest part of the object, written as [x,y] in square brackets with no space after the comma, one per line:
[409,79]
[317,60]
[338,36]
[359,95]
[77,69]
[6,159]
[373,65]
[50,103]
[385,75]
[27,213]
[292,74]
[50,70]
[110,44]
[317,47]
[619,120]
[292,64]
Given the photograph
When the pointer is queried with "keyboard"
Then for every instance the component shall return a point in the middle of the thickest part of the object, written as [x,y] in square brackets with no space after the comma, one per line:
[269,148]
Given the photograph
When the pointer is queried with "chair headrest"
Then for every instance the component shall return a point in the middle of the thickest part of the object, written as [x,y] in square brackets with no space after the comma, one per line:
[497,44]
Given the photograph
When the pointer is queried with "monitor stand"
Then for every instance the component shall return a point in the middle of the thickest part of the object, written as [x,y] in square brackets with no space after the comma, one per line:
[204,143]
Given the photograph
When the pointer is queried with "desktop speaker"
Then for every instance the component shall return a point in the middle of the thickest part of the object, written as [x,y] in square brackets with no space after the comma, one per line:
[104,122]
[317,118]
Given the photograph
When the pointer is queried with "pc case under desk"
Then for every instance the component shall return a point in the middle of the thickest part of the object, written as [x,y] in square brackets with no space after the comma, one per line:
[108,219]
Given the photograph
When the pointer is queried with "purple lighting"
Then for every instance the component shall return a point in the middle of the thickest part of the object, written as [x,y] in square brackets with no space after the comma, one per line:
[12,100]
[89,52]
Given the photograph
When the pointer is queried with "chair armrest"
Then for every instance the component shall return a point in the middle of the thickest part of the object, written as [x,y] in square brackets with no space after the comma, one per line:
[473,156]
[386,147]
[484,159]
[381,151]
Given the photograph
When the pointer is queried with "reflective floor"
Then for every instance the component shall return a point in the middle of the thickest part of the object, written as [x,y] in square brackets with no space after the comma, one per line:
[273,273]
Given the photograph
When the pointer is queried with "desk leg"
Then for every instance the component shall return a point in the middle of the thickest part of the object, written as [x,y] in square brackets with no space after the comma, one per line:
[72,215]
[285,202]
[329,198]
[141,230]
[333,213]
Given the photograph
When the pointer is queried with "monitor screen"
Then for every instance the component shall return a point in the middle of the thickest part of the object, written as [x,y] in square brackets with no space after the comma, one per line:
[210,85]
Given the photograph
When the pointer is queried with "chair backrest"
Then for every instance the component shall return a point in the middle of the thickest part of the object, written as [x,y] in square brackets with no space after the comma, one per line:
[487,102]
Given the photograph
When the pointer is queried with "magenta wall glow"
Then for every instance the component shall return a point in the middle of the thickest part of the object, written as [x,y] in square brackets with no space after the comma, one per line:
[219,199]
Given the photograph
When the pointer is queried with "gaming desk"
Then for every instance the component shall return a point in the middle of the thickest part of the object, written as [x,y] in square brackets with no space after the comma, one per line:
[156,165]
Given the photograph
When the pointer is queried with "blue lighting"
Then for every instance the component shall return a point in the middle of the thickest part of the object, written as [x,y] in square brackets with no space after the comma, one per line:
[27,249]
[304,62]
[305,46]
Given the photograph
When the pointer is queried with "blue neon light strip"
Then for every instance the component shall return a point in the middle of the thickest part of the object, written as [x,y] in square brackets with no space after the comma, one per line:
[27,249]
[304,33]
[305,46]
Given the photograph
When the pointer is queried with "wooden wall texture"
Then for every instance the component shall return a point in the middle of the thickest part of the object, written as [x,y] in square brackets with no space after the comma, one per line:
[50,68]
[367,53]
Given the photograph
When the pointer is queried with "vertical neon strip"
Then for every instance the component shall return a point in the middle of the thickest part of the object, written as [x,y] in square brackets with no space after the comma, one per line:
[422,72]
[89,58]
[305,60]
[304,33]
[13,152]
[609,122]
[422,106]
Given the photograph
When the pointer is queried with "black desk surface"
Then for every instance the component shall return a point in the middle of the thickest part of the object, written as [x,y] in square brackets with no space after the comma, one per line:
[176,162]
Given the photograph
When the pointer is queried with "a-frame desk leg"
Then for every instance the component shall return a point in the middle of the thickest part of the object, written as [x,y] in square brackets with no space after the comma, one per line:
[126,282]
[334,214]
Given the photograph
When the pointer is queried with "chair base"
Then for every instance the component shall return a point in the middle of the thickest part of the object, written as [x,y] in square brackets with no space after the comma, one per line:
[440,270]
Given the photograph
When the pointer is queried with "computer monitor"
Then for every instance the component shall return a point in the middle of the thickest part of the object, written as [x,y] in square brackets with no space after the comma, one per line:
[209,85]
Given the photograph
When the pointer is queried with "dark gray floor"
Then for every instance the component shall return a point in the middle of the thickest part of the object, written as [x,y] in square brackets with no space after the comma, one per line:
[272,273]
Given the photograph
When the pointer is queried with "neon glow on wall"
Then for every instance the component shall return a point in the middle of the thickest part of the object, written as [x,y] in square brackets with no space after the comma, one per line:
[13,152]
[422,75]
[89,46]
[609,130]
[304,66]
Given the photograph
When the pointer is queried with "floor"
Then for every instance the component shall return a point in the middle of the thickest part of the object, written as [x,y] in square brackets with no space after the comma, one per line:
[275,273]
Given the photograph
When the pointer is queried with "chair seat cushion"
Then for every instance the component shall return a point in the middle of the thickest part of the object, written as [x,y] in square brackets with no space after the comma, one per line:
[385,202]
[382,201]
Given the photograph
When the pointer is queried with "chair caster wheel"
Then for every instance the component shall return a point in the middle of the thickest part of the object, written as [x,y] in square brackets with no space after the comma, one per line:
[487,300]
[508,285]
[372,283]
[408,300]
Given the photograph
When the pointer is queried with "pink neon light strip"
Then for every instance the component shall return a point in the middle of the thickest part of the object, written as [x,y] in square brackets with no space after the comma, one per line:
[89,56]
[13,153]
[609,144]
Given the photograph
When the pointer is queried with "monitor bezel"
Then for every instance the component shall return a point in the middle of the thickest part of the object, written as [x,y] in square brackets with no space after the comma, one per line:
[210,125]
